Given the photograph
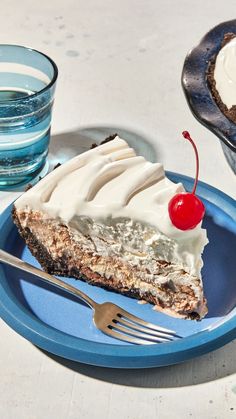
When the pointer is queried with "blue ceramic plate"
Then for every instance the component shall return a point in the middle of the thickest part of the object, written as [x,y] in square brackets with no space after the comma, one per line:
[58,323]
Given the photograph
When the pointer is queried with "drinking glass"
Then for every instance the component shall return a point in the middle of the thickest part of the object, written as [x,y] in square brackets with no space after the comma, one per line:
[27,86]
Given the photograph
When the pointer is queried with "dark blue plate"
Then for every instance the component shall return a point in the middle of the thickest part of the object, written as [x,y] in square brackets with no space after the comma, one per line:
[62,325]
[198,93]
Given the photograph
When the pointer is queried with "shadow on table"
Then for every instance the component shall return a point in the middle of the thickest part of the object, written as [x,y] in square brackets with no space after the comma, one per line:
[210,367]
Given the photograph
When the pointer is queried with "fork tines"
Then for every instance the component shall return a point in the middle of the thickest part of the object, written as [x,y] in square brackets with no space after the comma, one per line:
[127,327]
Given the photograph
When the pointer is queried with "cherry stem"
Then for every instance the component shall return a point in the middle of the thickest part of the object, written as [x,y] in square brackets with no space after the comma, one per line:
[187,136]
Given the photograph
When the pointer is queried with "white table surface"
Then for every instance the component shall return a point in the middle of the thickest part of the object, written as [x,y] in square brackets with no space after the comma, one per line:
[120,64]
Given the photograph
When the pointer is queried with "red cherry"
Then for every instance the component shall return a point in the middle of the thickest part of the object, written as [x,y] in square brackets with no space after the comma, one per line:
[186,210]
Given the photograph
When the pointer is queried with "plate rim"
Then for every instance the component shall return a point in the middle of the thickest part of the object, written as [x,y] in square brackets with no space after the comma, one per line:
[119,356]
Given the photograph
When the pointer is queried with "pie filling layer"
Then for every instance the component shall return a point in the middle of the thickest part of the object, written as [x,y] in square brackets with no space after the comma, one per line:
[140,265]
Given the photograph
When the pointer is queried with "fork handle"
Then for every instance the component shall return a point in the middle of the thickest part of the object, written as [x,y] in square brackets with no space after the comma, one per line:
[24,266]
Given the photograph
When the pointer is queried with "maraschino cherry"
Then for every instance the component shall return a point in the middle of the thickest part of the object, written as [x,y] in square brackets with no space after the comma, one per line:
[186,210]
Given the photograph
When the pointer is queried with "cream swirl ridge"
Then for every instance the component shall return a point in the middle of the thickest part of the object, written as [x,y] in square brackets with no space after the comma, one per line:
[108,181]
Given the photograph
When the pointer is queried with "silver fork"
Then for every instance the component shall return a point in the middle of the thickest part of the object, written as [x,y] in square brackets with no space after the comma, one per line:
[108,317]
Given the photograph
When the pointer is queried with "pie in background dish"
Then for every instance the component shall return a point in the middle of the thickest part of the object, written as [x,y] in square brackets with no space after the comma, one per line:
[222,76]
[103,217]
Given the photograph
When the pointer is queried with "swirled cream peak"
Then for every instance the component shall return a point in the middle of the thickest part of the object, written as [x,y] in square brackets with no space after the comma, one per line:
[110,182]
[225,73]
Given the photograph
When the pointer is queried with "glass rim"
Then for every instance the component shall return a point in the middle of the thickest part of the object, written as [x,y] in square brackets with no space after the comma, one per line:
[49,85]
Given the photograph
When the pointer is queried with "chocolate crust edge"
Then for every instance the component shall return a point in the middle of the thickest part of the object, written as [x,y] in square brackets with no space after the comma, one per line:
[59,267]
[229,113]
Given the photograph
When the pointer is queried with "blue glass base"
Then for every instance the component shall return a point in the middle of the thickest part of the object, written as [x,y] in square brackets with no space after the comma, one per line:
[21,165]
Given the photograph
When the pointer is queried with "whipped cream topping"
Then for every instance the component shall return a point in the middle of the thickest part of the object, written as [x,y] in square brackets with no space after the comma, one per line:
[225,73]
[108,184]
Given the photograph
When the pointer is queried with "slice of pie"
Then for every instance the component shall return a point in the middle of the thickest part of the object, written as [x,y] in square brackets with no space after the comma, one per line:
[103,217]
[221,76]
